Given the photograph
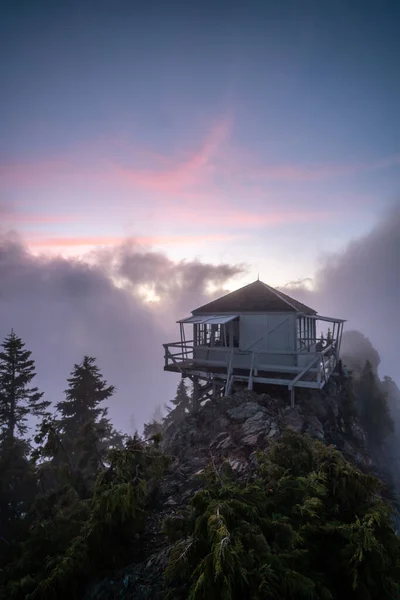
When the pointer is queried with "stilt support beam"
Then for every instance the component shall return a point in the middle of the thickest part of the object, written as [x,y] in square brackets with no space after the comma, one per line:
[291,397]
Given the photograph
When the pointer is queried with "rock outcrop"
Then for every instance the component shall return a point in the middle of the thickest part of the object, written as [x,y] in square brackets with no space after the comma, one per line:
[231,429]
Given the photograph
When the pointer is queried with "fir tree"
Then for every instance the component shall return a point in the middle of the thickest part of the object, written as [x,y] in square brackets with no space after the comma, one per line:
[307,524]
[373,406]
[154,427]
[181,403]
[17,399]
[18,489]
[73,541]
[84,429]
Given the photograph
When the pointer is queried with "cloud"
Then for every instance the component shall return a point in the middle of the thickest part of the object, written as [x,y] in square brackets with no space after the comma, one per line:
[213,218]
[177,176]
[87,241]
[14,218]
[362,284]
[213,178]
[303,173]
[66,308]
[181,286]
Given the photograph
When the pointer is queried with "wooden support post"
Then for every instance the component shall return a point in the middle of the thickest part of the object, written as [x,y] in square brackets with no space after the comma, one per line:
[165,355]
[195,391]
[250,382]
[292,397]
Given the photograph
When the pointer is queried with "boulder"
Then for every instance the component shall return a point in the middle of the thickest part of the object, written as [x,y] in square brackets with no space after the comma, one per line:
[294,419]
[245,411]
[237,465]
[255,426]
[314,428]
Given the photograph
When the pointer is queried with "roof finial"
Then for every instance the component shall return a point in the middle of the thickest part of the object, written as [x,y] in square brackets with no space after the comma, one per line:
[258,276]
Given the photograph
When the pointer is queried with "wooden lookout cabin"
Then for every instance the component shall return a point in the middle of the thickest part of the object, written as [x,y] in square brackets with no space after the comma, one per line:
[256,334]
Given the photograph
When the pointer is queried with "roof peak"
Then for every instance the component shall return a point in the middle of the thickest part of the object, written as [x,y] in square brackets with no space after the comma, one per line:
[256,296]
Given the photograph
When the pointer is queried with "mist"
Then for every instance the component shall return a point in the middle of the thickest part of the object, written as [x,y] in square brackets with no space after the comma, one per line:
[362,284]
[65,308]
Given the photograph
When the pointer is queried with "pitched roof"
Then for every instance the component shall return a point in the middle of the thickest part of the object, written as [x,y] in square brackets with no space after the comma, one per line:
[255,297]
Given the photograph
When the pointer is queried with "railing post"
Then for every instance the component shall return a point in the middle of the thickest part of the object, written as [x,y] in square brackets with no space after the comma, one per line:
[250,383]
[165,355]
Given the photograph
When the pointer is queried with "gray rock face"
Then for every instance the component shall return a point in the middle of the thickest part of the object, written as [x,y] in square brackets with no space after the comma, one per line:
[245,411]
[294,419]
[255,426]
[228,430]
[314,428]
[358,433]
[237,465]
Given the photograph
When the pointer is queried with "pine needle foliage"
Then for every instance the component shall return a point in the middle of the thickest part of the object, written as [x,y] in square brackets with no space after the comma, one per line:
[73,539]
[181,404]
[82,425]
[308,525]
[373,408]
[17,399]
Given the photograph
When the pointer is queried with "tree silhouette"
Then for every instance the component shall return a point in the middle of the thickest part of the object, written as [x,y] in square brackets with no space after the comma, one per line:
[17,399]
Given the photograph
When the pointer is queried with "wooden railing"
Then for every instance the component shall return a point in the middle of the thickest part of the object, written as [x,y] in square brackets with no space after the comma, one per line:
[175,358]
[181,355]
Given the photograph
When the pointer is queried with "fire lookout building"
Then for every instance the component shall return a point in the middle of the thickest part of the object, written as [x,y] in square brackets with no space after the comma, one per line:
[256,334]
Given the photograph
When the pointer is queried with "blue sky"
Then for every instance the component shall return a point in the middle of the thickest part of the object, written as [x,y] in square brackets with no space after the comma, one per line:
[259,131]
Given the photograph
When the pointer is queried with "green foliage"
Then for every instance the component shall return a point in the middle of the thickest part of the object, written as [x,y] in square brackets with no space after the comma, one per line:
[373,406]
[73,539]
[153,429]
[181,403]
[17,399]
[18,483]
[18,489]
[85,434]
[307,525]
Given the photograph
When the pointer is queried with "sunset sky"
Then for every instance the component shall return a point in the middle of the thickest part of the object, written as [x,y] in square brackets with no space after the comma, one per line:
[167,151]
[265,132]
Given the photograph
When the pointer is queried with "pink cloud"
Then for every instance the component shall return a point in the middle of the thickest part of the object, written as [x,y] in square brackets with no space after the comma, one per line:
[319,172]
[225,216]
[179,176]
[13,218]
[173,175]
[68,242]
[208,185]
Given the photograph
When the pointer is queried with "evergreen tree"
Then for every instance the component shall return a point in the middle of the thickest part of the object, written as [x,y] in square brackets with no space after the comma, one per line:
[306,525]
[18,489]
[154,427]
[17,399]
[73,541]
[84,430]
[181,403]
[373,406]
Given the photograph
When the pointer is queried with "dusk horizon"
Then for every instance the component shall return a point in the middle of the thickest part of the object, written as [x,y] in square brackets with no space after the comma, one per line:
[155,156]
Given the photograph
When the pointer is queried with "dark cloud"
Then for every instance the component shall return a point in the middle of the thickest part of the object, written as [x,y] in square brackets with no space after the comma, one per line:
[355,350]
[362,284]
[64,309]
[182,285]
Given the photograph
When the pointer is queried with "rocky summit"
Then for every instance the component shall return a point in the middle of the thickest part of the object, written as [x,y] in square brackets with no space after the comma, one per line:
[230,429]
[234,428]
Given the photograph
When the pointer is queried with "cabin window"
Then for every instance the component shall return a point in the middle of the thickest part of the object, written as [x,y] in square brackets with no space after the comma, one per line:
[217,334]
[209,335]
[306,333]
